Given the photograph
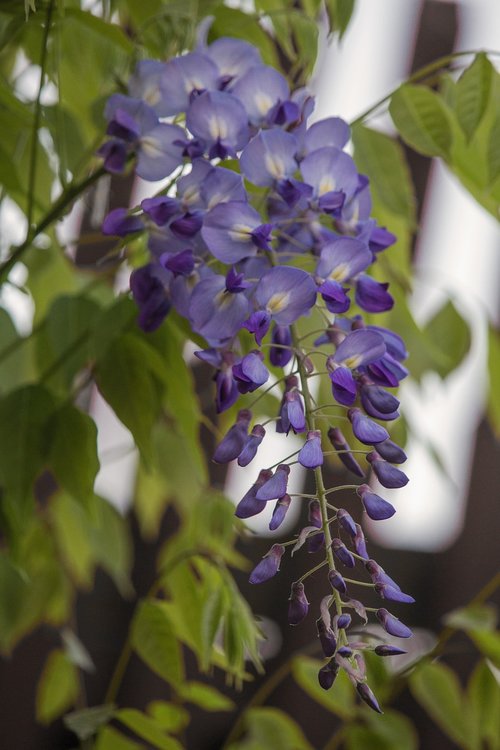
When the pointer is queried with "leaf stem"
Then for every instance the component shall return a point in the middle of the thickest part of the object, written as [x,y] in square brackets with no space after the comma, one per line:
[418,75]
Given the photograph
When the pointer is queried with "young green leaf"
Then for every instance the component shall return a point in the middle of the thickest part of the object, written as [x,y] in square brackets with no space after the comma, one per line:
[171,717]
[473,93]
[57,688]
[147,729]
[73,450]
[272,728]
[422,120]
[110,739]
[382,159]
[483,692]
[87,721]
[494,379]
[205,696]
[436,687]
[154,640]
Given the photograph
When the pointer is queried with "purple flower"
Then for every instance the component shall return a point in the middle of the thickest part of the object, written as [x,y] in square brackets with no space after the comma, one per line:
[387,475]
[378,403]
[360,543]
[221,186]
[286,294]
[158,152]
[378,574]
[329,170]
[234,440]
[332,131]
[180,264]
[298,606]
[342,553]
[233,58]
[268,566]
[259,90]
[392,594]
[220,120]
[145,84]
[344,388]
[310,455]
[341,622]
[150,295]
[343,258]
[326,637]
[160,209]
[275,487]
[291,413]
[269,157]
[251,445]
[114,152]
[214,312]
[280,353]
[376,507]
[365,430]
[373,296]
[337,581]
[340,444]
[250,373]
[233,231]
[119,222]
[346,521]
[184,76]
[314,513]
[386,649]
[327,674]
[279,512]
[334,296]
[366,694]
[391,452]
[392,625]
[360,347]
[249,505]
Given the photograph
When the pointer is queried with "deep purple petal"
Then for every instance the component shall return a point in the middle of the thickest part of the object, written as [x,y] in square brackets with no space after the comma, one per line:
[344,386]
[311,454]
[286,293]
[392,625]
[365,430]
[276,486]
[279,512]
[233,441]
[373,296]
[268,566]
[120,223]
[376,507]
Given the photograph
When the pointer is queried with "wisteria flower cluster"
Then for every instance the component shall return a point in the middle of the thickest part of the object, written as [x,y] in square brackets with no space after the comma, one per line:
[264,219]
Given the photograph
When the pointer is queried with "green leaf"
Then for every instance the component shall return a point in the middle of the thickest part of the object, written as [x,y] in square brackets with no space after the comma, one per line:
[422,120]
[483,692]
[110,32]
[16,367]
[87,721]
[205,696]
[71,531]
[57,688]
[472,617]
[272,728]
[109,535]
[147,729]
[436,687]
[488,644]
[339,13]
[63,344]
[24,414]
[125,378]
[235,23]
[448,335]
[73,450]
[154,640]
[76,651]
[393,730]
[473,93]
[339,700]
[110,739]
[211,620]
[382,159]
[493,406]
[493,151]
[171,717]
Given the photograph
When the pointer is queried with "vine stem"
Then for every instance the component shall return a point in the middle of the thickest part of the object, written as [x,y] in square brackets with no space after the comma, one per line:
[36,119]
[126,652]
[418,75]
[318,474]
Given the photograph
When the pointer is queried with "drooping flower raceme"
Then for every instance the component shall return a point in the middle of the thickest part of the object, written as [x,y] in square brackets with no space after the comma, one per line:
[265,222]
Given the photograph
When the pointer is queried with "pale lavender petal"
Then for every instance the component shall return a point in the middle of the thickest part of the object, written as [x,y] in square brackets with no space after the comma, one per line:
[259,89]
[343,258]
[286,293]
[184,75]
[269,157]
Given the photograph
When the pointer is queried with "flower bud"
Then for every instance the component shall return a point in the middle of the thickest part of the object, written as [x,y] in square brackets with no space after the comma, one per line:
[251,445]
[327,674]
[337,581]
[339,442]
[387,475]
[342,553]
[249,505]
[341,622]
[387,650]
[268,566]
[326,637]
[311,455]
[279,512]
[392,594]
[376,507]
[233,441]
[392,625]
[299,606]
[367,431]
[346,522]
[366,695]
[275,487]
[391,452]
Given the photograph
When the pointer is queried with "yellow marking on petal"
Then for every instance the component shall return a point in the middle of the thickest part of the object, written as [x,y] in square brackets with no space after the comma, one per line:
[217,128]
[263,102]
[275,166]
[193,84]
[152,95]
[352,362]
[277,302]
[240,233]
[222,299]
[340,273]
[150,146]
[326,185]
